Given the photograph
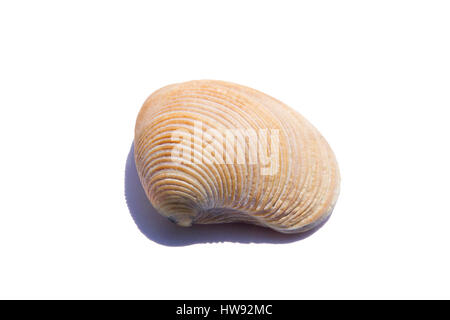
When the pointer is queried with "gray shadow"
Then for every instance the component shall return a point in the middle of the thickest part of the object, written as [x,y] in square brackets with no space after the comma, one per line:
[160,230]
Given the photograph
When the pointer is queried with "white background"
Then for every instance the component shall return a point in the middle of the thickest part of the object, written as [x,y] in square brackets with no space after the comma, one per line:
[372,76]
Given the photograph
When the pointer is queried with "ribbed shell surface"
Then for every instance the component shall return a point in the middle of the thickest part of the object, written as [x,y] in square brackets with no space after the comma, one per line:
[293,193]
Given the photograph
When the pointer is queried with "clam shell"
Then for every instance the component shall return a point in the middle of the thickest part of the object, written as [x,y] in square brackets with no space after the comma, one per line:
[216,152]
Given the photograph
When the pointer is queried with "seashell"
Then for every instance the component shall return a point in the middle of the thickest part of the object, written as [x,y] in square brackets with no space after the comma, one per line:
[216,152]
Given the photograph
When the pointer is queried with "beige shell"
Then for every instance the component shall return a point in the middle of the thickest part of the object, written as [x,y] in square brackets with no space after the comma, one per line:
[216,152]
